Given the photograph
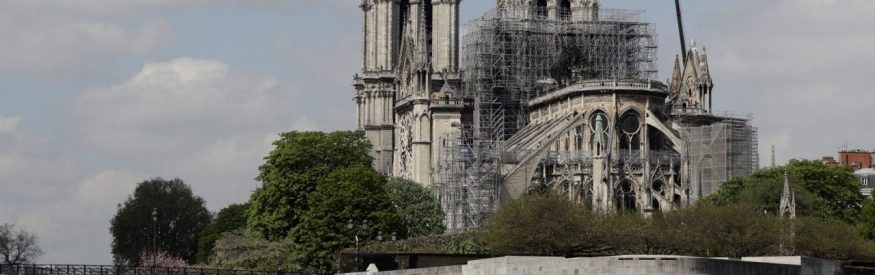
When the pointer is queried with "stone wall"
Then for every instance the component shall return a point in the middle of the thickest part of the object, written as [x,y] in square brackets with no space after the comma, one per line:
[629,265]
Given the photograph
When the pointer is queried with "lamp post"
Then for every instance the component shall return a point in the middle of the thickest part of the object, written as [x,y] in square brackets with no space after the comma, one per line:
[363,231]
[351,227]
[154,234]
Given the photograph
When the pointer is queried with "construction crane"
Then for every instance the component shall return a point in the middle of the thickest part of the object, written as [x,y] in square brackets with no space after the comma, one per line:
[677,4]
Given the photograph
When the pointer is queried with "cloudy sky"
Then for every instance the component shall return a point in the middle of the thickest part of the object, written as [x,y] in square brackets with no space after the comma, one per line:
[97,95]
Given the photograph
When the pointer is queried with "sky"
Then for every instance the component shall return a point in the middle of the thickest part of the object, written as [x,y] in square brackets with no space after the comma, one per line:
[98,95]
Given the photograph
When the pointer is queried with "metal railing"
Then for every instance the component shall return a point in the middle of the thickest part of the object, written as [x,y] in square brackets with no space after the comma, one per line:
[39,269]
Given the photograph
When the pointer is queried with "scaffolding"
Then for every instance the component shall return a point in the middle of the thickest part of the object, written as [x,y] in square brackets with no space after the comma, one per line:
[510,52]
[718,147]
[467,183]
[513,54]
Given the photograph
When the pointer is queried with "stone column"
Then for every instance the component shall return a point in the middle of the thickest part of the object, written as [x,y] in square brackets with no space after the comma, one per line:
[445,35]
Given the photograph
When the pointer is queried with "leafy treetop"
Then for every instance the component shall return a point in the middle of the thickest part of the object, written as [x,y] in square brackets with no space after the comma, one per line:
[181,216]
[352,194]
[420,211]
[821,191]
[290,172]
[229,218]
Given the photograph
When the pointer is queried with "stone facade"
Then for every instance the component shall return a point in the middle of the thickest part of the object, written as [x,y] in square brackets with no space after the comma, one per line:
[598,128]
[615,151]
[411,55]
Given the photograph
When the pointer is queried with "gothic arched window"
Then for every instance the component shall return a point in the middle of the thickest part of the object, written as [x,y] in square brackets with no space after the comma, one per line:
[625,197]
[630,134]
[541,9]
[565,10]
[598,140]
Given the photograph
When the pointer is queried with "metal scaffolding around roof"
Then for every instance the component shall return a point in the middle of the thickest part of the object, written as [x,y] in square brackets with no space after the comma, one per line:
[467,182]
[508,52]
[508,55]
[719,147]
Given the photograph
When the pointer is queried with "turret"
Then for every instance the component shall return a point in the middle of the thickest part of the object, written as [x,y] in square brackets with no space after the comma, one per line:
[692,87]
[382,34]
[445,35]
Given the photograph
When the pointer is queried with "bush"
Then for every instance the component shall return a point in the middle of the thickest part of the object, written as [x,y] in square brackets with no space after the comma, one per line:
[162,259]
[420,211]
[545,225]
[243,249]
[463,243]
[550,225]
[830,239]
[229,218]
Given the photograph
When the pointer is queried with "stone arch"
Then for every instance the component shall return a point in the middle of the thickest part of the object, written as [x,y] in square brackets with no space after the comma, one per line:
[656,190]
[423,128]
[564,10]
[630,130]
[625,196]
[584,195]
[658,187]
[541,10]
[599,125]
[656,139]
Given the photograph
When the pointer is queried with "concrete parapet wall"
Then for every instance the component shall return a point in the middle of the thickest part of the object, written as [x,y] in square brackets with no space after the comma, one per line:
[632,265]
[443,270]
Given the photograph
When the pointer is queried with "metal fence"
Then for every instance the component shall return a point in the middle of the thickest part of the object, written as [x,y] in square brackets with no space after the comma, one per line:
[30,269]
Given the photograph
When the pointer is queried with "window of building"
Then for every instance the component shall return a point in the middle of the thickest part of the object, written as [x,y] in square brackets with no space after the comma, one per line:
[625,197]
[598,140]
[630,124]
[541,9]
[565,10]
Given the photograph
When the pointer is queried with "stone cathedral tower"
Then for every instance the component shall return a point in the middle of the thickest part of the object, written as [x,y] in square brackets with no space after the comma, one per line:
[406,93]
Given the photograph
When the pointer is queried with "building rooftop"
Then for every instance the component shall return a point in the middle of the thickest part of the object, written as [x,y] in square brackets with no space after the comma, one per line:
[865,172]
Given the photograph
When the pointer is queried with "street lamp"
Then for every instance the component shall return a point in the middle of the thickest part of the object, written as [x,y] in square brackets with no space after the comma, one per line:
[154,234]
[350,226]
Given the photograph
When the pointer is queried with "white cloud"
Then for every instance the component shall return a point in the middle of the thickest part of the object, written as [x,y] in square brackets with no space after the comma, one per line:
[8,124]
[196,119]
[45,41]
[64,225]
[169,106]
[802,67]
[74,39]
[304,123]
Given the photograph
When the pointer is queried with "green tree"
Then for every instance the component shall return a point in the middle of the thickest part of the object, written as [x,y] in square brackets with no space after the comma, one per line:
[352,194]
[420,211]
[229,218]
[17,247]
[825,238]
[244,249]
[542,224]
[290,172]
[867,219]
[735,231]
[631,233]
[181,216]
[821,191]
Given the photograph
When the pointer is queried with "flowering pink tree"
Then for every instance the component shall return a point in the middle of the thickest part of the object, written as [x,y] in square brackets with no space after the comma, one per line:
[161,259]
